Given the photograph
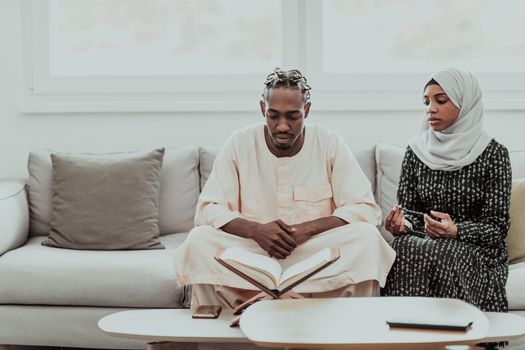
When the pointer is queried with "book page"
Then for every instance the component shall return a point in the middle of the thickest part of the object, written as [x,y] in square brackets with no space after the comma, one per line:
[261,268]
[304,267]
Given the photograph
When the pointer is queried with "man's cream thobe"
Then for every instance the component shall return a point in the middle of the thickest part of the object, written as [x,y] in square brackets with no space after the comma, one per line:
[323,179]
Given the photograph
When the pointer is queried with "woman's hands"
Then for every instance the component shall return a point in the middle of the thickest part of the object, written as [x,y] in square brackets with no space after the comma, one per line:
[395,222]
[440,229]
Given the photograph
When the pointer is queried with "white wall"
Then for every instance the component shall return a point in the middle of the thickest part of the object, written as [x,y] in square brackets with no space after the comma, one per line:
[19,133]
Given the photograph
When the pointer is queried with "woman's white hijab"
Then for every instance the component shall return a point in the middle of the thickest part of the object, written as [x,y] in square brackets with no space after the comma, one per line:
[461,143]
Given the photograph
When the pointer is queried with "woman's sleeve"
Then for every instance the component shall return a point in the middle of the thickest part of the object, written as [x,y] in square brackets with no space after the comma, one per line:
[492,226]
[407,195]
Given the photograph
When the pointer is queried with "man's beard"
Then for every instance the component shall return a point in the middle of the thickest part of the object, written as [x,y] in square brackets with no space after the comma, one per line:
[281,146]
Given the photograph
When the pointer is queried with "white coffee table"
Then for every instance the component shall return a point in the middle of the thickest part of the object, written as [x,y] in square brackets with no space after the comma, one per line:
[173,329]
[171,325]
[358,322]
[313,323]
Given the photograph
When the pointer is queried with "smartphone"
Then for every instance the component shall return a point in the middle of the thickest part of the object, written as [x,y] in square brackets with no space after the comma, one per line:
[446,326]
[207,311]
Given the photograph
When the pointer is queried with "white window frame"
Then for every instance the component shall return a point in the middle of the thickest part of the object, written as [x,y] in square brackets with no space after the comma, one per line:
[301,48]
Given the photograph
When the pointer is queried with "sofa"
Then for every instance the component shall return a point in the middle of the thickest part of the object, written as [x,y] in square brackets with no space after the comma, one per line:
[55,297]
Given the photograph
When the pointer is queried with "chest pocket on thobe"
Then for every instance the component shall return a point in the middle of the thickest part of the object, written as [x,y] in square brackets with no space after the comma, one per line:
[312,202]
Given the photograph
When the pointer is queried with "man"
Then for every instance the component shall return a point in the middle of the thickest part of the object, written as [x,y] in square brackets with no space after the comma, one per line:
[287,190]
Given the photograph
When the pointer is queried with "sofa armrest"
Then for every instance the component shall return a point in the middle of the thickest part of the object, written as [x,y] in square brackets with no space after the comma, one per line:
[14,215]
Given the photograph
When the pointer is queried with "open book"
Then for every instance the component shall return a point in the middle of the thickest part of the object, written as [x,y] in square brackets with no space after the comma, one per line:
[266,273]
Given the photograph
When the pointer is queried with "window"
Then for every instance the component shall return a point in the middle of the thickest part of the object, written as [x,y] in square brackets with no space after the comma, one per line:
[209,55]
[163,37]
[417,36]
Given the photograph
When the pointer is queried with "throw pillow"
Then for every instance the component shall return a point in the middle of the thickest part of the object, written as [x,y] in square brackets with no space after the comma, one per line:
[207,157]
[105,202]
[39,193]
[515,286]
[516,234]
[179,190]
[389,159]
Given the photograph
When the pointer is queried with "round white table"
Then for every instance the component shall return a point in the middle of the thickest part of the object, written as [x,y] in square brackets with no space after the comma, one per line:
[316,323]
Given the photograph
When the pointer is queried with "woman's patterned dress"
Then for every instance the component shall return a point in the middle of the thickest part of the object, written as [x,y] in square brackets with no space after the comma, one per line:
[474,266]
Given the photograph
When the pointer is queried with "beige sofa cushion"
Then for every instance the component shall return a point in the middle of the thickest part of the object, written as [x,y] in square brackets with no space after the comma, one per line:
[516,234]
[365,156]
[388,161]
[207,157]
[39,192]
[179,190]
[515,286]
[39,275]
[105,201]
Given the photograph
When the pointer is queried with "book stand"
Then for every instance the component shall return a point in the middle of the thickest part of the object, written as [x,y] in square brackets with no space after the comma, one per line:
[266,293]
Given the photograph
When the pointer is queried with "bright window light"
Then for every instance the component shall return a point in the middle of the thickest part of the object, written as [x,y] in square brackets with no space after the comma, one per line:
[163,37]
[416,36]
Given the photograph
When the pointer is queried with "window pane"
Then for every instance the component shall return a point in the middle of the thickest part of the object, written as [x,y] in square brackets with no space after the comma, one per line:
[163,37]
[403,36]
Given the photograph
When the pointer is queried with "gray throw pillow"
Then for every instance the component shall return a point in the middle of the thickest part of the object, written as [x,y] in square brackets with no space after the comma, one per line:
[105,202]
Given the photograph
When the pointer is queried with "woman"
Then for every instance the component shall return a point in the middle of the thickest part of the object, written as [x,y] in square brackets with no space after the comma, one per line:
[453,214]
